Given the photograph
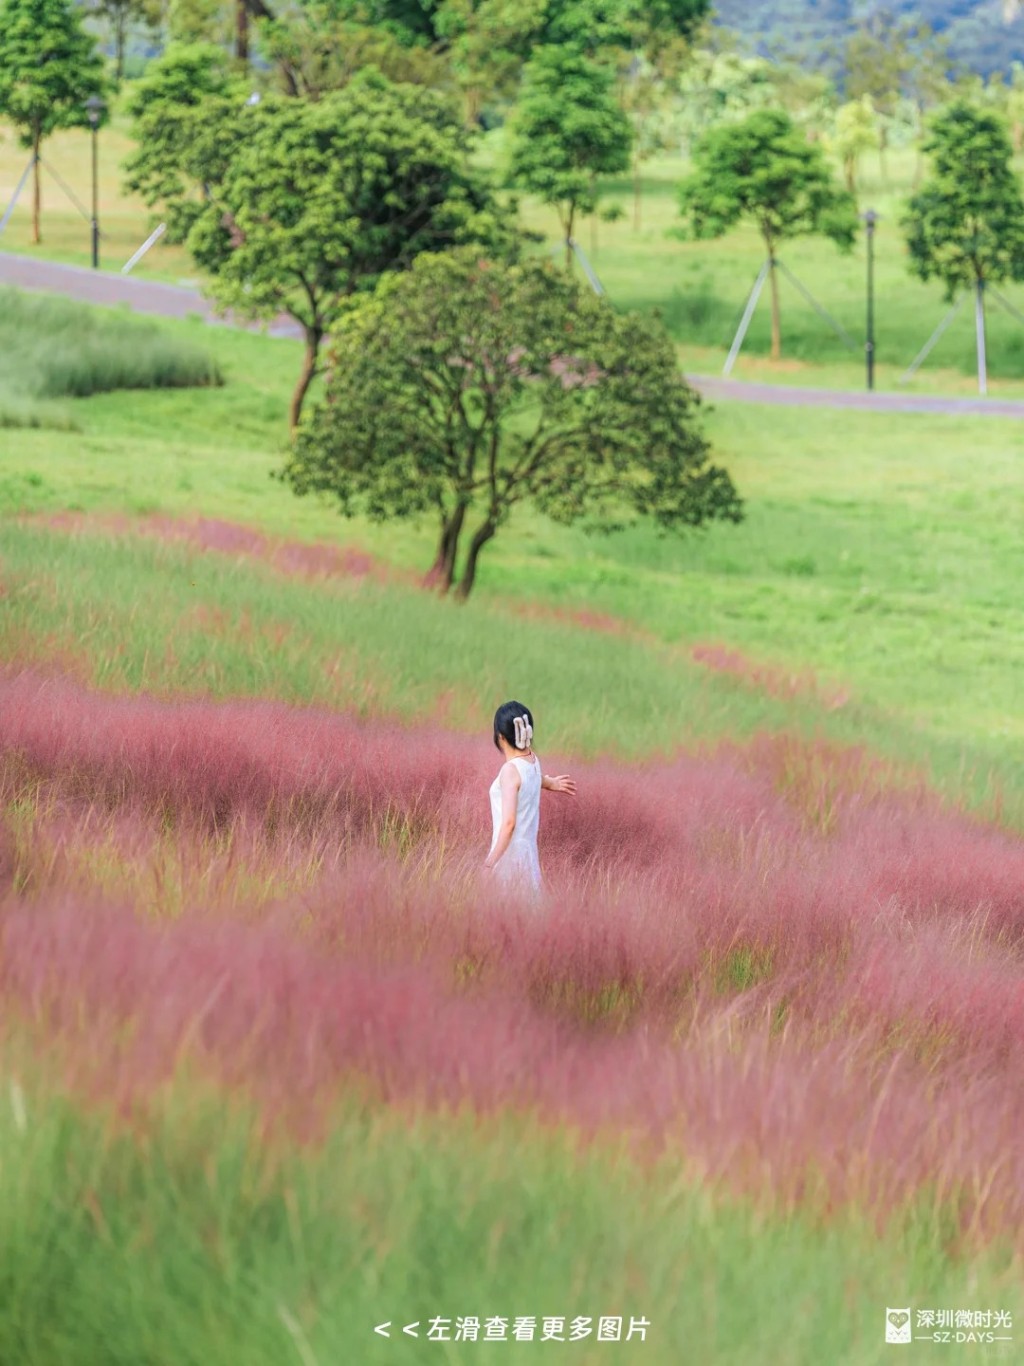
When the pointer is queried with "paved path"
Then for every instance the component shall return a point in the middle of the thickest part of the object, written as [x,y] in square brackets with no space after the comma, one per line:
[103,287]
[713,387]
[177,301]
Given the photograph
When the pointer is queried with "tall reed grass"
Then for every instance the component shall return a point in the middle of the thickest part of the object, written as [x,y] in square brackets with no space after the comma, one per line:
[52,348]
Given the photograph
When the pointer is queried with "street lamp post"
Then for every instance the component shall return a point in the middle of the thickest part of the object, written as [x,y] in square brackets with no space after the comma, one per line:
[870,221]
[94,108]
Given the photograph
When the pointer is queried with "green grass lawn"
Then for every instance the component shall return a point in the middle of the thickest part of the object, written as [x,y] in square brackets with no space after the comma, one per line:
[880,550]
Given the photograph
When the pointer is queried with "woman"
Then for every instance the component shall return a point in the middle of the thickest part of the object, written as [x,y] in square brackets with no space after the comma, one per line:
[515,801]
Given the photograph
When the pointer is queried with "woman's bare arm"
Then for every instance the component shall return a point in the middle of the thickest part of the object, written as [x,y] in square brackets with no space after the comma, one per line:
[563,783]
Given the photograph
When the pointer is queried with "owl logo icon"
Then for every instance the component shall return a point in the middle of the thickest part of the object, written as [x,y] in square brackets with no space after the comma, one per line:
[897,1325]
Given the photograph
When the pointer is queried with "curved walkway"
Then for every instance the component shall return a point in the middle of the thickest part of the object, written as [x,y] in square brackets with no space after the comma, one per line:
[177,301]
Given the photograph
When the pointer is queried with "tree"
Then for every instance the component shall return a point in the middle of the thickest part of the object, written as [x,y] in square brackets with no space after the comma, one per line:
[765,169]
[119,14]
[320,45]
[876,61]
[568,130]
[49,67]
[182,111]
[720,87]
[466,387]
[306,203]
[965,226]
[856,131]
[890,58]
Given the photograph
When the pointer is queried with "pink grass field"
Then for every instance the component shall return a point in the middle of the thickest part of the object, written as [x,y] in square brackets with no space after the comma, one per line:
[772,962]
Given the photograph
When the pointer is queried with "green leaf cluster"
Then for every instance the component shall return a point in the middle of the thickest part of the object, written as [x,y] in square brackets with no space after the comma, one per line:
[467,386]
[292,206]
[763,168]
[49,67]
[569,129]
[966,224]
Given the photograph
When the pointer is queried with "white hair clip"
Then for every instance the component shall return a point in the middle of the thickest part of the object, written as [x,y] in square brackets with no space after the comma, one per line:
[523,731]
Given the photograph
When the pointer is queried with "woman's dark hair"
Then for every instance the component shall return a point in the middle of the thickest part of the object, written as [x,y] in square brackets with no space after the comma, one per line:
[504,721]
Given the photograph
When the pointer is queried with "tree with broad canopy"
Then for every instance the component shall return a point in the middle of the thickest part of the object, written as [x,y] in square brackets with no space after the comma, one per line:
[466,387]
[294,206]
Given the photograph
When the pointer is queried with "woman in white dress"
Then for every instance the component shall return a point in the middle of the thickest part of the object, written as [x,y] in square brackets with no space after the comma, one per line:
[515,802]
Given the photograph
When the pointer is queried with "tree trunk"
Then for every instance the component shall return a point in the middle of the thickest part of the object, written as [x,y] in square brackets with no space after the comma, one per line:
[37,198]
[474,104]
[241,31]
[481,536]
[773,276]
[442,573]
[313,339]
[568,236]
[850,169]
[637,192]
[120,24]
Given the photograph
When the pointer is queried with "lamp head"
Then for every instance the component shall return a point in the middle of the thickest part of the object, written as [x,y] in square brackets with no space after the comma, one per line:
[94,108]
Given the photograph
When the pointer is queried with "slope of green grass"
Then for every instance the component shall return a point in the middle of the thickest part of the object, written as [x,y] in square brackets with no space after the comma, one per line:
[880,550]
[53,348]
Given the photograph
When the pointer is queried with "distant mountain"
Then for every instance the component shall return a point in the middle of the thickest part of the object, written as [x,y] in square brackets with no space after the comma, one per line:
[813,30]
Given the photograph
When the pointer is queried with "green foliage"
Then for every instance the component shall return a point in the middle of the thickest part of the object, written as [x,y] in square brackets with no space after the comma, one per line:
[320,45]
[468,384]
[966,225]
[569,128]
[199,21]
[184,97]
[765,169]
[119,14]
[51,348]
[49,67]
[486,43]
[856,131]
[303,204]
[718,87]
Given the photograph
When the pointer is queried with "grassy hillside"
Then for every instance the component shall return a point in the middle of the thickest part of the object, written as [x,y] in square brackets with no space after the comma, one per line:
[279,1065]
[885,564]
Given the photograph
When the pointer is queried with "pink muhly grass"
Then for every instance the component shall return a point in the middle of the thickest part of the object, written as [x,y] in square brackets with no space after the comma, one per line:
[834,1007]
[313,560]
[127,1003]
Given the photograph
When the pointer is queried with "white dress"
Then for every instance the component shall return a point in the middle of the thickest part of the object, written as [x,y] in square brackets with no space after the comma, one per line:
[519,866]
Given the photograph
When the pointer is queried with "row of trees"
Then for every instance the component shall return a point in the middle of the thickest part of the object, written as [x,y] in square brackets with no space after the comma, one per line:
[964,226]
